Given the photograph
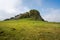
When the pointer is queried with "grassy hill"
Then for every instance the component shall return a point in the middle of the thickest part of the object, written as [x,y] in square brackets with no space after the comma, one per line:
[27,29]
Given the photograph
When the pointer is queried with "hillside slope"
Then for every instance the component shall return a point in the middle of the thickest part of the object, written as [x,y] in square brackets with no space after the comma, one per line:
[27,29]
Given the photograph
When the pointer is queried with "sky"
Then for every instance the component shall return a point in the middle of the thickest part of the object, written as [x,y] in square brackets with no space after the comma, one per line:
[49,9]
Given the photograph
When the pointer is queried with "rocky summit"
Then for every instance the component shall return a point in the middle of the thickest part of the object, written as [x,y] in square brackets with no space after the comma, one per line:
[33,14]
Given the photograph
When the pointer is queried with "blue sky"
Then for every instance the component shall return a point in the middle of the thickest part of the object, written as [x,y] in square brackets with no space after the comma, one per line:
[49,9]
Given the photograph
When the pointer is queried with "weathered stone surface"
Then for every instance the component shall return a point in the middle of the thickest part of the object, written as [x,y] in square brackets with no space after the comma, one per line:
[34,14]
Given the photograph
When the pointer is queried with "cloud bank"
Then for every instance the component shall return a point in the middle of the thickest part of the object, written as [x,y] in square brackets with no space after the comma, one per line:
[9,8]
[52,15]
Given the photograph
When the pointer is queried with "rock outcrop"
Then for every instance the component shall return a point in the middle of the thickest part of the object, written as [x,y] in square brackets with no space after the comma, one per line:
[33,14]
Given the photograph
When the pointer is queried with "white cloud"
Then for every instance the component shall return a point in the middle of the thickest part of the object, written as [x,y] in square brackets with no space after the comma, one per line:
[11,8]
[8,5]
[52,14]
[1,17]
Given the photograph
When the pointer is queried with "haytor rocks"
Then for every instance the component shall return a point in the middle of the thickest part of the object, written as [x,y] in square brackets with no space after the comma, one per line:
[33,14]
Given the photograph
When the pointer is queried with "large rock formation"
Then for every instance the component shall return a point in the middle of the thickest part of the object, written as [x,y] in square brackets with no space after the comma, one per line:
[33,14]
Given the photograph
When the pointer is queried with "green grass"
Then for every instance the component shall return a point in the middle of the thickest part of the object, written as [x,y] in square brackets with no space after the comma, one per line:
[27,29]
